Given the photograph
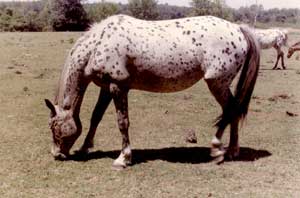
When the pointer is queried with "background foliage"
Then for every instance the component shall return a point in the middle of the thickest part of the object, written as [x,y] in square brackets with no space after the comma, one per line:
[77,15]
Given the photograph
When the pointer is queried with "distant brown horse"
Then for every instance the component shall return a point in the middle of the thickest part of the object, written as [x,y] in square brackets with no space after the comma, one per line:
[293,48]
[123,53]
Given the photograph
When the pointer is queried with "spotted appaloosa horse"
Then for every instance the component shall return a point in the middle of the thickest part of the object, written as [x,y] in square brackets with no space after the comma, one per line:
[123,53]
[275,38]
[292,49]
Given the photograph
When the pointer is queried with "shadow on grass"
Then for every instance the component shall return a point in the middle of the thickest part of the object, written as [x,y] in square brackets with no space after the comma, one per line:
[192,155]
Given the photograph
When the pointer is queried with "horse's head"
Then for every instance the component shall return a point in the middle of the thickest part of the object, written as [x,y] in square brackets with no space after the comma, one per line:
[293,48]
[65,130]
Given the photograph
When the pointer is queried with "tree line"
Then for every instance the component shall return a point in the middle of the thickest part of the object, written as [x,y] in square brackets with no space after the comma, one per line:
[78,15]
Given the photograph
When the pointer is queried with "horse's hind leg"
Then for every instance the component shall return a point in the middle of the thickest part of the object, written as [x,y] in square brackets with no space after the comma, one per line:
[280,55]
[229,106]
[223,96]
[102,104]
[120,98]
[233,149]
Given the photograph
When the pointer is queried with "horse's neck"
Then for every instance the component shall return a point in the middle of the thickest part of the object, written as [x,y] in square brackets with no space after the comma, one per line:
[296,49]
[296,45]
[72,82]
[71,88]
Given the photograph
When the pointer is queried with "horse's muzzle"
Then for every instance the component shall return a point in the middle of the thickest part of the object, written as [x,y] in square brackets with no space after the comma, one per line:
[57,154]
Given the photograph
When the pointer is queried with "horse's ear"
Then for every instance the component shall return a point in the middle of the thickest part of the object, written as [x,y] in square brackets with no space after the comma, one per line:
[51,107]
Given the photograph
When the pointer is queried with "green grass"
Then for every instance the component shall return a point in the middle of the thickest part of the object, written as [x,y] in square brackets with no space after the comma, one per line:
[165,165]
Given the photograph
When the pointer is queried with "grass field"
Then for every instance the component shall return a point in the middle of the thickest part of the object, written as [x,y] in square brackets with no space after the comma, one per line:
[164,164]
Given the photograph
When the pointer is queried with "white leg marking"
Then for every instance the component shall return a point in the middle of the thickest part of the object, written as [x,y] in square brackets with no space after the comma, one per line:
[216,142]
[217,149]
[123,160]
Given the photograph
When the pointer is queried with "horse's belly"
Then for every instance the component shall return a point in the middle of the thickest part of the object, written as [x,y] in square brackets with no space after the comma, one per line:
[166,79]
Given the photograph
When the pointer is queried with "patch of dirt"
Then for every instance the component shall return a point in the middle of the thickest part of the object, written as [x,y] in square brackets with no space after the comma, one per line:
[256,97]
[291,114]
[187,97]
[256,110]
[25,89]
[280,96]
[39,76]
[190,136]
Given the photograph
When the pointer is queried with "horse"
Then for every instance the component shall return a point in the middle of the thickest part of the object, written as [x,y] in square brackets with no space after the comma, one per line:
[275,38]
[293,48]
[123,53]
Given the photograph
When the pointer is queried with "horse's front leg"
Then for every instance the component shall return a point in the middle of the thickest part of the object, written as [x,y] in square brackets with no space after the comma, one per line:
[120,98]
[224,97]
[275,66]
[100,108]
[282,60]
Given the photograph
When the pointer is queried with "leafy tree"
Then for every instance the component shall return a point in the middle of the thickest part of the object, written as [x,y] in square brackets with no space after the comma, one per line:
[61,15]
[67,15]
[210,7]
[201,7]
[98,11]
[143,9]
[250,14]
[172,12]
[44,15]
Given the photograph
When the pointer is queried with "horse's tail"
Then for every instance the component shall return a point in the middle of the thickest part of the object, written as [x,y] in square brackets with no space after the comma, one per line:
[246,83]
[238,105]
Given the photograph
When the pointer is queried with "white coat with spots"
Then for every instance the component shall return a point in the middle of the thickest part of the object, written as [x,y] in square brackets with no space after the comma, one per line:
[276,38]
[123,53]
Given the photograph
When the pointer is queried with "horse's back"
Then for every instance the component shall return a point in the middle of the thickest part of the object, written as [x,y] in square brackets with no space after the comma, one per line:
[174,53]
[271,37]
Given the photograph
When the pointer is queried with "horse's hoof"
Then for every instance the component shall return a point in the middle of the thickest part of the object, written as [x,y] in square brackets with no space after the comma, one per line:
[121,162]
[118,166]
[60,157]
[232,153]
[217,154]
[82,151]
[219,160]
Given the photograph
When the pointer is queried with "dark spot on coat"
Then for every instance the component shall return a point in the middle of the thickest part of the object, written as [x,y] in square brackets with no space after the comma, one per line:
[233,44]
